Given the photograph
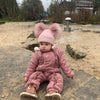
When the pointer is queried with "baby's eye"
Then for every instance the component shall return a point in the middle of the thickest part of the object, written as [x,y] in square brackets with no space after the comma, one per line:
[46,44]
[41,43]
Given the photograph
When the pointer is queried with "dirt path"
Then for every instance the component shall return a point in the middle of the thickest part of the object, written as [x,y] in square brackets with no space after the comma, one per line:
[14,60]
[82,37]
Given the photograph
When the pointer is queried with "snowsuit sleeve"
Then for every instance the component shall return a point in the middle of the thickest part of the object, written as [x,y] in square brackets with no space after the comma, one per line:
[64,66]
[33,64]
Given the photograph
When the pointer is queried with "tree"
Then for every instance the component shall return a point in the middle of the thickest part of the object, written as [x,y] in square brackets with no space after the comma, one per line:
[31,9]
[8,8]
[55,11]
[58,7]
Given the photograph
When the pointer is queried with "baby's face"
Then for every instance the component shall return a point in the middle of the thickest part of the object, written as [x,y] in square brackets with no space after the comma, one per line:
[45,46]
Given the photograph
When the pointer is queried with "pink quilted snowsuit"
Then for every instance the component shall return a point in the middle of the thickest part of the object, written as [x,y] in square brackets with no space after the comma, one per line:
[45,67]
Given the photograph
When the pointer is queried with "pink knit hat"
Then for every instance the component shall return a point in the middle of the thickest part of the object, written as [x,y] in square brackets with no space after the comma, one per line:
[47,35]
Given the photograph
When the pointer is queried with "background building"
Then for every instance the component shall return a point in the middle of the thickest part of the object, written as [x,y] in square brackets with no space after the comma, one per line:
[84,4]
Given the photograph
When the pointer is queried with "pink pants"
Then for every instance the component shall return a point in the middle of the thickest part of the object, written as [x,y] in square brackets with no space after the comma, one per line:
[55,81]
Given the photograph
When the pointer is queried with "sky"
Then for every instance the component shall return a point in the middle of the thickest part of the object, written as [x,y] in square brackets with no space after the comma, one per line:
[45,3]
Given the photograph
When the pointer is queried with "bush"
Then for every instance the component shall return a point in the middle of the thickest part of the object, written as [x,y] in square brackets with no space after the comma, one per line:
[85,17]
[2,22]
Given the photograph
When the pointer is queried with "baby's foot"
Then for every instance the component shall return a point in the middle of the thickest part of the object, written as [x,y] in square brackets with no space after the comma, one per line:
[52,95]
[30,93]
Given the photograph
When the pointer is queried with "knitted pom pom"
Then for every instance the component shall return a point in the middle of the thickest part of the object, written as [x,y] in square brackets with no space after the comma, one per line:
[56,29]
[36,49]
[39,28]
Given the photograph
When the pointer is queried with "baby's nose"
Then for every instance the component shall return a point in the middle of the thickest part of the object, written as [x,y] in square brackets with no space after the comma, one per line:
[43,46]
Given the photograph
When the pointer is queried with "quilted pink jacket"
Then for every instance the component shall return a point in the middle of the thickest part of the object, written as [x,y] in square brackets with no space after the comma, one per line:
[50,62]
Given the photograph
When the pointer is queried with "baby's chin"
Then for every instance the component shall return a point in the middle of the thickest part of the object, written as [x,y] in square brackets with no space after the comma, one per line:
[44,50]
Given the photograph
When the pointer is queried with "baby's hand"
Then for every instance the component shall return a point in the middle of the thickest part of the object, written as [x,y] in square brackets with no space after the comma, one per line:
[25,79]
[72,77]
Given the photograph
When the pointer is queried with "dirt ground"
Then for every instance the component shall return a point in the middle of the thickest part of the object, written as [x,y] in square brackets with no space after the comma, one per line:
[85,38]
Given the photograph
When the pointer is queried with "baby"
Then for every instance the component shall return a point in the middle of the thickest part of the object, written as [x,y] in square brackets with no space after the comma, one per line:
[45,64]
